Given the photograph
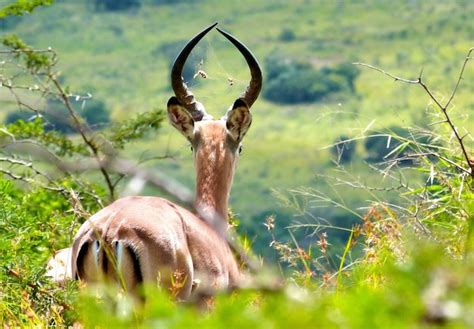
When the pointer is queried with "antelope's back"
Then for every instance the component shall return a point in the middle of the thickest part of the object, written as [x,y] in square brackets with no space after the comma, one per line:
[149,239]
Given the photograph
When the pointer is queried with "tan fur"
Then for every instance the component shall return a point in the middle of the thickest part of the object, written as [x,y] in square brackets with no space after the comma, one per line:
[166,238]
[215,165]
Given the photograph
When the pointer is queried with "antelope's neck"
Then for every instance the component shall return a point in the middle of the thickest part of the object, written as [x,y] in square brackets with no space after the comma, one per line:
[213,182]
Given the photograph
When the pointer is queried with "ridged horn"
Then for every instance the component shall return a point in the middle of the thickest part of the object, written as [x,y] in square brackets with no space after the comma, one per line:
[182,92]
[252,91]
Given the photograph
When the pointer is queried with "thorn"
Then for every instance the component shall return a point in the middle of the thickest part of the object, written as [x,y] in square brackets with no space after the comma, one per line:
[465,135]
[421,74]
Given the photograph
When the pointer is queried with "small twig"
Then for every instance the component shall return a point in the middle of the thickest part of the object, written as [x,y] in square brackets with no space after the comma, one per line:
[32,181]
[81,128]
[21,51]
[23,163]
[19,102]
[437,155]
[468,57]
[387,74]
[443,108]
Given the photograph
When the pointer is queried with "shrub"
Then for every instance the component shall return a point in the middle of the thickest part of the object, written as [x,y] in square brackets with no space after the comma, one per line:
[14,116]
[346,71]
[28,235]
[9,22]
[295,85]
[57,117]
[94,113]
[377,146]
[170,2]
[287,35]
[291,82]
[116,5]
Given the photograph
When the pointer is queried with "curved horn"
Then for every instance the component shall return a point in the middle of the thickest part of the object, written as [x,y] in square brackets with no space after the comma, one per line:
[250,94]
[184,95]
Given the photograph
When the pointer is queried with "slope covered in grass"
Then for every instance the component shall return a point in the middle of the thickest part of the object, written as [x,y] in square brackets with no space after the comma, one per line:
[123,59]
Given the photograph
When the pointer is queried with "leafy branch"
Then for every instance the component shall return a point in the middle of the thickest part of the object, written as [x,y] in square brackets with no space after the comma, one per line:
[20,7]
[22,61]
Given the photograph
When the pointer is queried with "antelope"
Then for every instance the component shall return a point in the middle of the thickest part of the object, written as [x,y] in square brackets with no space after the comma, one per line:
[149,239]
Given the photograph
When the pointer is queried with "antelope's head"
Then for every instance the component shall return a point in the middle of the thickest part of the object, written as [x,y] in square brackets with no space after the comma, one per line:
[216,143]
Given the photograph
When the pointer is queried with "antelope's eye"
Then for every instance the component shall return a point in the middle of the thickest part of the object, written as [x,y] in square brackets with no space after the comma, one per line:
[191,148]
[240,149]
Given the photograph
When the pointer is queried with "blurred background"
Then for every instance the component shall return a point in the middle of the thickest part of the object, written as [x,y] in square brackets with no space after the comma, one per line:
[313,96]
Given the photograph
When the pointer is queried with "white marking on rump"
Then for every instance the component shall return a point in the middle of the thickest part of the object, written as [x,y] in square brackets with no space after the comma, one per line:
[119,253]
[95,252]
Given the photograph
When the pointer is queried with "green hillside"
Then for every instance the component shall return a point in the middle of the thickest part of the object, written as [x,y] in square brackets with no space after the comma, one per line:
[354,191]
[123,59]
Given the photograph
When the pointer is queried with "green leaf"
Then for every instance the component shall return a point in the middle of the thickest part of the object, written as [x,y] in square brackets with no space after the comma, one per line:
[21,7]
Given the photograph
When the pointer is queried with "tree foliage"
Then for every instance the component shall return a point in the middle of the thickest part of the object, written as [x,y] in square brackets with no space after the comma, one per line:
[53,140]
[291,82]
[135,128]
[21,7]
[287,35]
[34,60]
[116,5]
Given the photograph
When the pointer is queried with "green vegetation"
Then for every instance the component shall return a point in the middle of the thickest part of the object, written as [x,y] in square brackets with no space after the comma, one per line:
[290,82]
[113,5]
[120,58]
[355,189]
[19,8]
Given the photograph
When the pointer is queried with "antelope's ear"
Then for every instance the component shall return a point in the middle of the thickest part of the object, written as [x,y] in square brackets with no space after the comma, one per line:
[238,120]
[180,118]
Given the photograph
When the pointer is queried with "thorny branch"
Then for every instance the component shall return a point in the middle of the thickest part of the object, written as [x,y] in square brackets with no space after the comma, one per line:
[51,76]
[31,181]
[81,128]
[29,165]
[443,108]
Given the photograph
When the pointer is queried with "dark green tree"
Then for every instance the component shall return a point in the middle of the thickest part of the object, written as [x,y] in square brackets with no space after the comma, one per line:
[14,116]
[287,35]
[92,111]
[292,82]
[397,142]
[116,5]
[344,149]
